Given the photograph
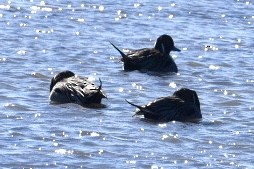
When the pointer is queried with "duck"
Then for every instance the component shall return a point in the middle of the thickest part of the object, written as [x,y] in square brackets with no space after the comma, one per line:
[155,59]
[66,87]
[183,106]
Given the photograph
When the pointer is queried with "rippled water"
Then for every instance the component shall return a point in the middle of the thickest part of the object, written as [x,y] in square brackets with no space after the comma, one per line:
[42,38]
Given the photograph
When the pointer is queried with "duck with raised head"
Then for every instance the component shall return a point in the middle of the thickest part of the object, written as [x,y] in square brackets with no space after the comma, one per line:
[65,87]
[151,59]
[182,106]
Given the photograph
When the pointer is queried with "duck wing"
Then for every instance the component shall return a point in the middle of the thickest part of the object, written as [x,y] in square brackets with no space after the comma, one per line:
[78,90]
[162,109]
[149,59]
[142,59]
[188,112]
[172,108]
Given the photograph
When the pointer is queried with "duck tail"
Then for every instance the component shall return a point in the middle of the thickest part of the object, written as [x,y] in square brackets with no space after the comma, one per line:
[142,109]
[139,107]
[99,89]
[122,54]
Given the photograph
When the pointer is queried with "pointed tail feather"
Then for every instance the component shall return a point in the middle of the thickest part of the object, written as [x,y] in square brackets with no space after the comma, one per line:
[99,89]
[140,108]
[122,54]
[100,85]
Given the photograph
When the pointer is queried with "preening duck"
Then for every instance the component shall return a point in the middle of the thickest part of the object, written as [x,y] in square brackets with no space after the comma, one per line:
[182,106]
[151,59]
[65,87]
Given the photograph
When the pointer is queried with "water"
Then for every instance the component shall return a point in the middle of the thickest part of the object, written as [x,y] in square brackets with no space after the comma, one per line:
[42,38]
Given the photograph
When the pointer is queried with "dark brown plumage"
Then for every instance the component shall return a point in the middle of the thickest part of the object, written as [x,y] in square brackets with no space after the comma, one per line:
[151,59]
[65,87]
[182,106]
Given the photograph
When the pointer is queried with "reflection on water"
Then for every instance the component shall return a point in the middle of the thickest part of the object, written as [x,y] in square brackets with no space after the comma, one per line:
[42,38]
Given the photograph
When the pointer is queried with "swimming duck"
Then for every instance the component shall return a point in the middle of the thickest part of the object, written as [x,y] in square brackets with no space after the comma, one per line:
[182,106]
[65,87]
[151,59]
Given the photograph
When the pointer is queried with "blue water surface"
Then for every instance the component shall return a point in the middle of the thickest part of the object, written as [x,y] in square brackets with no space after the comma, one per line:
[41,38]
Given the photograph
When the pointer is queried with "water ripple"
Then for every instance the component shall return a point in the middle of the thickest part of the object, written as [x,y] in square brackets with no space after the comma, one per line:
[42,38]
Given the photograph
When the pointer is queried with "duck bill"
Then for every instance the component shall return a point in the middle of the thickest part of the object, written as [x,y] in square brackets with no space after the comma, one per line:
[176,49]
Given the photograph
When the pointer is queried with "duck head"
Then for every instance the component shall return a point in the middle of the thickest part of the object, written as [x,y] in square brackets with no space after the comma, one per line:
[188,95]
[165,44]
[59,77]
